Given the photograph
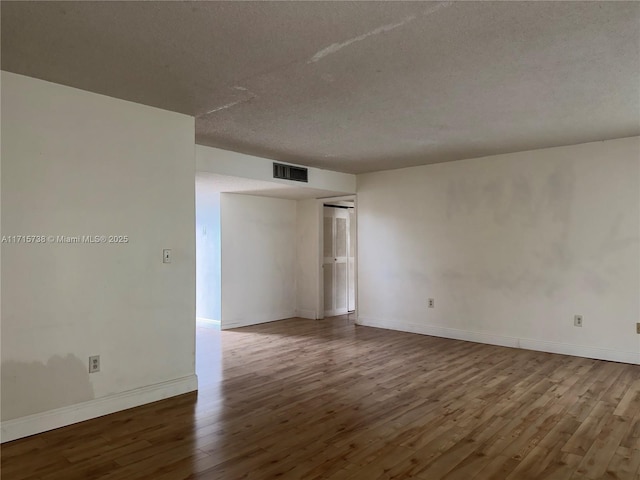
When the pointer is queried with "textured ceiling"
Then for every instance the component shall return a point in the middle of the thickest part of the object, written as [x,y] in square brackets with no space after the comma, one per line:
[350,86]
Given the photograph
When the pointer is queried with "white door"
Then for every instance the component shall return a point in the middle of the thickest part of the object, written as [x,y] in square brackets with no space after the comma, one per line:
[352,260]
[335,263]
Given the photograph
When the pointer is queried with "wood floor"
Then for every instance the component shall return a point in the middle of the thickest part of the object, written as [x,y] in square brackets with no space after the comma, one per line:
[302,399]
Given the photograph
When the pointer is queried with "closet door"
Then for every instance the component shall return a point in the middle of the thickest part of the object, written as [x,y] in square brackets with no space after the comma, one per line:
[336,258]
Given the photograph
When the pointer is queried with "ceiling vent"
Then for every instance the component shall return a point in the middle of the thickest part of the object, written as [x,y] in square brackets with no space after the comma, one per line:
[289,172]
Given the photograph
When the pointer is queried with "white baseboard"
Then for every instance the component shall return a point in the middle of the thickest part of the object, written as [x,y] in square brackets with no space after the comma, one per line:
[61,417]
[257,319]
[505,341]
[585,351]
[310,314]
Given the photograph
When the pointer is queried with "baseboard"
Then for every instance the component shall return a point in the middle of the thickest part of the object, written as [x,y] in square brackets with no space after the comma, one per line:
[310,314]
[257,319]
[505,341]
[585,351]
[335,313]
[61,417]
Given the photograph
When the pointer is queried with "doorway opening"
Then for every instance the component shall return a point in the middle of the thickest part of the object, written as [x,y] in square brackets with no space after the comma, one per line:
[208,282]
[339,256]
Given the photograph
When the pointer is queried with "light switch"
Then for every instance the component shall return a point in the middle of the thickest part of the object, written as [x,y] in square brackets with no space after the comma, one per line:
[166,255]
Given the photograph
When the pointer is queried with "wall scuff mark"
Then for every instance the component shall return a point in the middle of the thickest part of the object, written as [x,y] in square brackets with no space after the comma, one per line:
[34,387]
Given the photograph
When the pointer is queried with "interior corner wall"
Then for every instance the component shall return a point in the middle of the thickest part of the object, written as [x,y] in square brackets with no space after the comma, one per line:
[511,247]
[307,258]
[208,293]
[77,165]
[258,250]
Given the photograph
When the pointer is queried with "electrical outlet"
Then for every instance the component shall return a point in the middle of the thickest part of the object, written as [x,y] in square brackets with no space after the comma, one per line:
[577,321]
[94,364]
[432,303]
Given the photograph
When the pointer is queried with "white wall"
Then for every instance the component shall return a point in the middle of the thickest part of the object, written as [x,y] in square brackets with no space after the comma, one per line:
[322,183]
[258,245]
[77,163]
[207,250]
[308,258]
[224,162]
[511,247]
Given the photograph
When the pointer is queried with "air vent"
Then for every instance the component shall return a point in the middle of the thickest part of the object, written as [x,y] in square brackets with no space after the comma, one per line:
[289,172]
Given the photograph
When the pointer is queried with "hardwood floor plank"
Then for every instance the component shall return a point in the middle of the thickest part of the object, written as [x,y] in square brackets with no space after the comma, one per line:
[624,465]
[604,447]
[312,400]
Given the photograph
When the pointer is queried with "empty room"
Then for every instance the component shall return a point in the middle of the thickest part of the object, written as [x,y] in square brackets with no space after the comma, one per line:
[320,240]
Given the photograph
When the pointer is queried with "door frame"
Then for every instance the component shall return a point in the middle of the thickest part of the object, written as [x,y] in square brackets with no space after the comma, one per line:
[320,254]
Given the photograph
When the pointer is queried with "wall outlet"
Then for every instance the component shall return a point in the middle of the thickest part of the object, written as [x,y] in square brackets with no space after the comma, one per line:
[431,303]
[577,321]
[94,364]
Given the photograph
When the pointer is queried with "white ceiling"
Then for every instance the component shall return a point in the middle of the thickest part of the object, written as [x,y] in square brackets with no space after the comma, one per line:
[350,86]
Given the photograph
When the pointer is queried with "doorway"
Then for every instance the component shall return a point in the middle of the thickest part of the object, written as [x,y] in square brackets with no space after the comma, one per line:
[339,257]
